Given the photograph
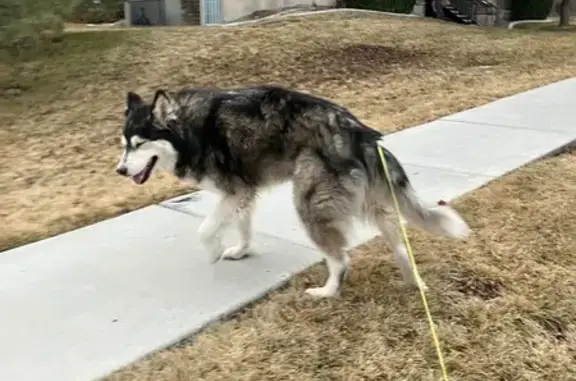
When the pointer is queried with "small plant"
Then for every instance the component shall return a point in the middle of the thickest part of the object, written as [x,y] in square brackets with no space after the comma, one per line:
[28,27]
[102,11]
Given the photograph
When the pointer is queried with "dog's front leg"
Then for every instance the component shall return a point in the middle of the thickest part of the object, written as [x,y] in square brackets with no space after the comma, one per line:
[244,225]
[210,230]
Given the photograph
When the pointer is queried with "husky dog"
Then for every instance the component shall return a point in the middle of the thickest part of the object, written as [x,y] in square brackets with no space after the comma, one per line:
[237,141]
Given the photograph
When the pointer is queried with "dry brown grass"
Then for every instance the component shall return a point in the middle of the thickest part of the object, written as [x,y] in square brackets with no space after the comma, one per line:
[60,135]
[503,302]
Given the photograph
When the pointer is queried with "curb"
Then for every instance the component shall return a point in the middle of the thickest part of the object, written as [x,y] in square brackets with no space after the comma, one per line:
[546,21]
[567,148]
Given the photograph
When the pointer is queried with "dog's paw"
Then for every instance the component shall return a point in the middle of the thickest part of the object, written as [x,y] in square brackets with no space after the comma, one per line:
[322,292]
[215,252]
[235,252]
[214,258]
[214,248]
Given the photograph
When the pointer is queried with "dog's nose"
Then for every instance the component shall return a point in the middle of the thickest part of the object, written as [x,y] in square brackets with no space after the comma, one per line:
[123,171]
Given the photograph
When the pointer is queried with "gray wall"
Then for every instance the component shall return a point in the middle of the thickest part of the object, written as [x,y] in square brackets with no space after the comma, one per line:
[153,9]
[173,12]
[164,12]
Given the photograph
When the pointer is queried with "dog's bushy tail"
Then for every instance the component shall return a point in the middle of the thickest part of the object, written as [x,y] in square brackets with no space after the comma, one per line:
[437,219]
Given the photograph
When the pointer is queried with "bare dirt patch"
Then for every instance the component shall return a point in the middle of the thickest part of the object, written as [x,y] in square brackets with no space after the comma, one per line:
[503,302]
[60,132]
[358,61]
[471,284]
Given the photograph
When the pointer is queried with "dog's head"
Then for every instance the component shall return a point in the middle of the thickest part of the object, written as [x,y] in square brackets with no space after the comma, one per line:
[148,136]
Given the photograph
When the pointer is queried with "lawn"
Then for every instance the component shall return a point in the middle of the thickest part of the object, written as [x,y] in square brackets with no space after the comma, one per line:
[503,302]
[61,114]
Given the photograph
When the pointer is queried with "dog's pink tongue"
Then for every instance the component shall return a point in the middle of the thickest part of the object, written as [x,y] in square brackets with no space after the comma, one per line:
[138,178]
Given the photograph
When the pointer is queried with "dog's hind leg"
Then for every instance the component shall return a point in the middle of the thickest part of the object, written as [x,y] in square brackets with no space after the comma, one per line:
[325,207]
[230,208]
[391,231]
[330,238]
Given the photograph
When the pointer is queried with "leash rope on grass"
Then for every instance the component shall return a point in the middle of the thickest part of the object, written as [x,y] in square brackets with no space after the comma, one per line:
[415,269]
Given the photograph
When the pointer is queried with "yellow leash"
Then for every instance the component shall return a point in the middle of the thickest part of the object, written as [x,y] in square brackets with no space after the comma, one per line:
[414,269]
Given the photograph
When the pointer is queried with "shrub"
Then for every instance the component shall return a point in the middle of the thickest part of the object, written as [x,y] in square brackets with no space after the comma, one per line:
[530,9]
[395,6]
[28,26]
[87,11]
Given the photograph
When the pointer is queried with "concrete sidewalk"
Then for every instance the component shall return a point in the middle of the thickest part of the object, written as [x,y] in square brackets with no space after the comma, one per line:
[78,306]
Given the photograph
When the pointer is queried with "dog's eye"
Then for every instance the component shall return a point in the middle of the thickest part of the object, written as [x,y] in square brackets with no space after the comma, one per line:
[171,124]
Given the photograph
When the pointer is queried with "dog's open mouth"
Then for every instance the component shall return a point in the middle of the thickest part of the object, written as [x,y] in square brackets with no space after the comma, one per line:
[142,176]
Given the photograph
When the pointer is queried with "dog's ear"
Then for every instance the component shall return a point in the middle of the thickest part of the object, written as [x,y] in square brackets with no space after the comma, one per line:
[133,100]
[164,107]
